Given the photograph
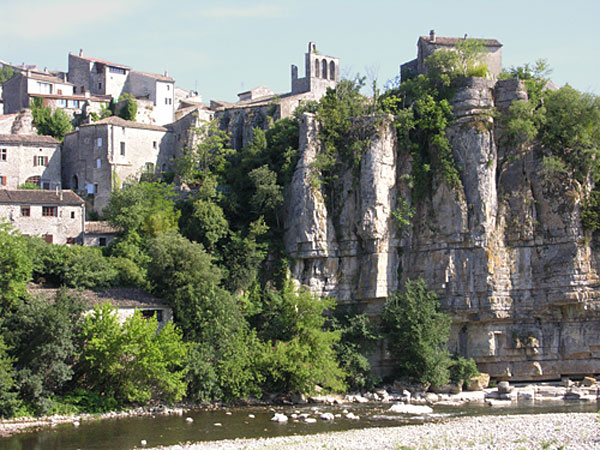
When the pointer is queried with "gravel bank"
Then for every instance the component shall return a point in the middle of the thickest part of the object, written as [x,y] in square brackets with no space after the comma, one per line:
[552,431]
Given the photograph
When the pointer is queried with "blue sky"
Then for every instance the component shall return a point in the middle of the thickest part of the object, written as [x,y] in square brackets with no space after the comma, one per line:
[224,47]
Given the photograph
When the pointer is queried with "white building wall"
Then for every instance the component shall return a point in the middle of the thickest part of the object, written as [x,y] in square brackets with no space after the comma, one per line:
[19,164]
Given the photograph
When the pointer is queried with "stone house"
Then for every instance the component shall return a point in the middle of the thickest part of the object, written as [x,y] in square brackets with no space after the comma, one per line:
[101,155]
[98,234]
[155,93]
[125,300]
[257,107]
[29,158]
[57,216]
[54,91]
[426,45]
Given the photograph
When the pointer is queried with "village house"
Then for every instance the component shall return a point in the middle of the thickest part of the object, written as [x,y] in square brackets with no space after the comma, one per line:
[427,45]
[125,300]
[29,158]
[154,93]
[53,91]
[57,216]
[101,155]
[98,234]
[257,106]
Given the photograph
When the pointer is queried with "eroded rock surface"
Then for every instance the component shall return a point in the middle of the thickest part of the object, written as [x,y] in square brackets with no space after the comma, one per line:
[507,254]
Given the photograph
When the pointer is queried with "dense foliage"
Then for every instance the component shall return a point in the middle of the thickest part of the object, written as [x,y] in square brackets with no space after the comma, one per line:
[128,110]
[417,333]
[55,124]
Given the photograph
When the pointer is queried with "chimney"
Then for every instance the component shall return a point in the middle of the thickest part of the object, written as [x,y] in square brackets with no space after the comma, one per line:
[166,73]
[80,52]
[432,36]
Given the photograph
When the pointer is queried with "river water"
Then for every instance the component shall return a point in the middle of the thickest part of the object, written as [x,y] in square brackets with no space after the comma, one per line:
[127,433]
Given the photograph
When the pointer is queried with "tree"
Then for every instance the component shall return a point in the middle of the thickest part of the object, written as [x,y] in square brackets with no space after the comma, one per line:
[129,110]
[40,334]
[143,208]
[417,334]
[132,362]
[8,396]
[208,157]
[299,353]
[48,124]
[6,73]
[15,268]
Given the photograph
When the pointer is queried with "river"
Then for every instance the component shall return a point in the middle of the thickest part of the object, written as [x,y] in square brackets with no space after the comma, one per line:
[127,433]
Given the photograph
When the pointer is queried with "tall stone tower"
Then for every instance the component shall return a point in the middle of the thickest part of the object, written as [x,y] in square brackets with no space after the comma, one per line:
[322,72]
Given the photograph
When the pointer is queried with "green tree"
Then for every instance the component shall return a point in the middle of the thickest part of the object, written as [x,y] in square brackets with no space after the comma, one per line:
[49,124]
[208,157]
[15,268]
[6,73]
[132,362]
[41,338]
[9,401]
[129,110]
[417,334]
[143,208]
[299,353]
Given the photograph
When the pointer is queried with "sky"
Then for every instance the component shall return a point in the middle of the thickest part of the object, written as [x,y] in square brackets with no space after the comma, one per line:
[223,47]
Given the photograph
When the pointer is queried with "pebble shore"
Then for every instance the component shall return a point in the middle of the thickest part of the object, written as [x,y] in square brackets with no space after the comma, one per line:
[518,432]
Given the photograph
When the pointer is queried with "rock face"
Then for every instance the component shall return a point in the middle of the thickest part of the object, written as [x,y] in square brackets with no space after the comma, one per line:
[507,255]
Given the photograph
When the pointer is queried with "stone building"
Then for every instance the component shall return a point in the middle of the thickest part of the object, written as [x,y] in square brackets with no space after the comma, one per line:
[426,45]
[54,92]
[125,300]
[29,159]
[155,93]
[98,234]
[257,107]
[57,216]
[101,155]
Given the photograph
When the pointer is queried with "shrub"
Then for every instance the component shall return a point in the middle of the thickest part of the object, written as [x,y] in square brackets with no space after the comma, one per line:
[417,334]
[462,370]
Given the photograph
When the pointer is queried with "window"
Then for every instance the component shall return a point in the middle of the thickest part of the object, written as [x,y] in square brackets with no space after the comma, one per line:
[44,88]
[148,313]
[98,163]
[33,180]
[99,142]
[73,103]
[170,101]
[102,242]
[40,161]
[122,148]
[61,102]
[72,214]
[26,211]
[154,145]
[71,240]
[4,152]
[2,180]
[46,185]
[116,70]
[99,85]
[59,91]
[149,167]
[95,188]
[49,211]
[48,238]
[166,101]
[74,89]
[168,87]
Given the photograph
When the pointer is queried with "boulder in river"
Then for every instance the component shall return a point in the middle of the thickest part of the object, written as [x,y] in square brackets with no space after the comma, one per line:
[401,408]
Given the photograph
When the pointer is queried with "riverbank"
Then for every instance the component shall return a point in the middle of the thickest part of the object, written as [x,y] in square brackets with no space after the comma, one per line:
[552,431]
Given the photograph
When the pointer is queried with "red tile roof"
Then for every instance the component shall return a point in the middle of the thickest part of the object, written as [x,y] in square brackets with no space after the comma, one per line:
[451,41]
[156,76]
[115,120]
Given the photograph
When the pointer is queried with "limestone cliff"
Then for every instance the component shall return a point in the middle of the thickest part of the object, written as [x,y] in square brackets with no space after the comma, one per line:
[507,255]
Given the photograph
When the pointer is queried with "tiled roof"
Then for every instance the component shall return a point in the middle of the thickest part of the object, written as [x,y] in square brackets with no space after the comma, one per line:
[99,228]
[156,76]
[116,120]
[93,98]
[451,41]
[27,139]
[47,77]
[102,61]
[118,297]
[39,197]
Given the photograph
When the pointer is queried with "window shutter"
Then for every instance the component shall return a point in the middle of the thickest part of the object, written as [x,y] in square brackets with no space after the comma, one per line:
[34,161]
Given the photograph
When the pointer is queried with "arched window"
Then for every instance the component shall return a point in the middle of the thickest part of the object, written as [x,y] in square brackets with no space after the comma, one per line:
[332,70]
[75,183]
[317,67]
[324,69]
[33,180]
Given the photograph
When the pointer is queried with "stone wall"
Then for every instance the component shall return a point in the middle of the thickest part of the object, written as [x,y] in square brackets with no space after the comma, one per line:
[19,165]
[506,254]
